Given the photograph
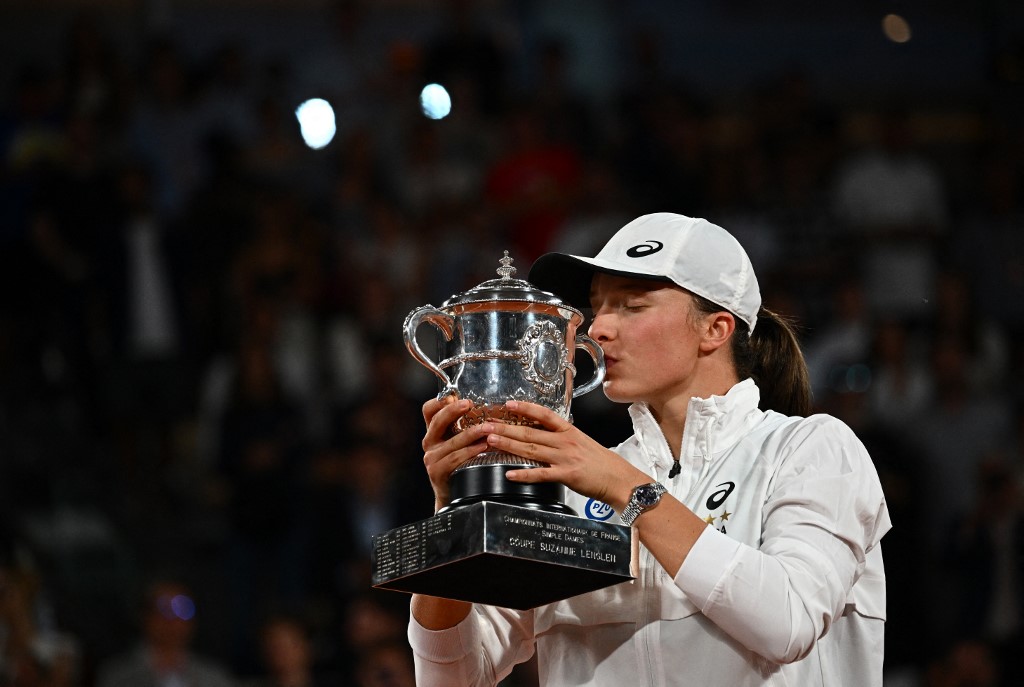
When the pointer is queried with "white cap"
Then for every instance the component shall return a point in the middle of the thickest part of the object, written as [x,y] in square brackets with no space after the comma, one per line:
[692,253]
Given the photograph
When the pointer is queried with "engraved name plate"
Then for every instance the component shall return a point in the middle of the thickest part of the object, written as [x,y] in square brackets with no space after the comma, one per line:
[502,555]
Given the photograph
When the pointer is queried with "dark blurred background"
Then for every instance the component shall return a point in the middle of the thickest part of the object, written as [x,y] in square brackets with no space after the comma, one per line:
[205,406]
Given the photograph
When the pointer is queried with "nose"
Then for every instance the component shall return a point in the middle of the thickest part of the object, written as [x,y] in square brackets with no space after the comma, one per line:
[601,329]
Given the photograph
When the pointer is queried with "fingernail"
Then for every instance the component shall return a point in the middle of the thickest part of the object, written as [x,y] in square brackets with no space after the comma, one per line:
[511,404]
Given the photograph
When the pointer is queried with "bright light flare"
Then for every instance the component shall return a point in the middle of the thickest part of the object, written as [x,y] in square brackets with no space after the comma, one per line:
[435,101]
[316,122]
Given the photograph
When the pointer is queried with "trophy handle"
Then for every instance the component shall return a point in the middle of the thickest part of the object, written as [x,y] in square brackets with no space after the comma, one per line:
[444,322]
[590,346]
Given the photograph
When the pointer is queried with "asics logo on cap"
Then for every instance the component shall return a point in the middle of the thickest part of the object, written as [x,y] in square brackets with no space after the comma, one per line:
[645,248]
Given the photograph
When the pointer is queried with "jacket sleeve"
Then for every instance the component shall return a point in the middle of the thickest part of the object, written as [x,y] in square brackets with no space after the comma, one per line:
[823,513]
[478,652]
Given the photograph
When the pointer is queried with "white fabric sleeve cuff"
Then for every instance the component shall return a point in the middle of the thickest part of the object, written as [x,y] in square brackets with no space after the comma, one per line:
[711,556]
[443,646]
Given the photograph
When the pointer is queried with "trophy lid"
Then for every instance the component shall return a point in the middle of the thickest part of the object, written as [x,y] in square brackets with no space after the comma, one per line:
[505,288]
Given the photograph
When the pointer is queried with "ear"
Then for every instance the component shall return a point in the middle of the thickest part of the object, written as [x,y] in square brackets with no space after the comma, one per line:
[718,328]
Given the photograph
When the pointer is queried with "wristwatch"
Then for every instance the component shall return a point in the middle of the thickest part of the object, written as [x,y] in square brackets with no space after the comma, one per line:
[643,498]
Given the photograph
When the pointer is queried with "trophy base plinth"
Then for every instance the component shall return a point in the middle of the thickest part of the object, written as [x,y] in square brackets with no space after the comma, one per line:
[478,483]
[502,555]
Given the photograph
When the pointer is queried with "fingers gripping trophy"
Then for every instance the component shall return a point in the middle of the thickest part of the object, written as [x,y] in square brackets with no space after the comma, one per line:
[502,340]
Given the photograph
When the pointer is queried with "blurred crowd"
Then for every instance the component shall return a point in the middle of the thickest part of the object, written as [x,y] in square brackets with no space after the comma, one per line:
[206,408]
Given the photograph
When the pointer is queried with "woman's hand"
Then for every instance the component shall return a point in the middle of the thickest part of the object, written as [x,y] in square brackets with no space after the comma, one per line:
[443,451]
[574,459]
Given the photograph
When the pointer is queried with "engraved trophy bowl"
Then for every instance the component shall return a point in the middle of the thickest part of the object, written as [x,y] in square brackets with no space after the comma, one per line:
[505,340]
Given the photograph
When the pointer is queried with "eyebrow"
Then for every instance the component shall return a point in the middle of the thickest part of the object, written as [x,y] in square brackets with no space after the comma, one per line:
[633,287]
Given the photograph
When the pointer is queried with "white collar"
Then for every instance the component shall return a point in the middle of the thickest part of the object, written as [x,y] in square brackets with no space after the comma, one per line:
[713,425]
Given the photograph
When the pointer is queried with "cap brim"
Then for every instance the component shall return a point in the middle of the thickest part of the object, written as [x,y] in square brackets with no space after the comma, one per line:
[569,276]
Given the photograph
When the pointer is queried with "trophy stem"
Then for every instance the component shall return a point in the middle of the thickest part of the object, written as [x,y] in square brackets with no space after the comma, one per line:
[487,482]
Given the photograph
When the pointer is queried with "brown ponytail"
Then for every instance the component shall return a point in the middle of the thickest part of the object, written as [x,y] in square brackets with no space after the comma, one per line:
[772,357]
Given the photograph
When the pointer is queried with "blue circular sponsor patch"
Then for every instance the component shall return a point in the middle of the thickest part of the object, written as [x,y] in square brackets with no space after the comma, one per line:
[597,510]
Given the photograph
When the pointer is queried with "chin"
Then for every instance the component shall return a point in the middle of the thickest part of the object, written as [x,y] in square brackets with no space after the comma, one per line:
[614,393]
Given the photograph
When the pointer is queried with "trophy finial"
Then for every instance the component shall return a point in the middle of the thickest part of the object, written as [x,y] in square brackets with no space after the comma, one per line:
[506,270]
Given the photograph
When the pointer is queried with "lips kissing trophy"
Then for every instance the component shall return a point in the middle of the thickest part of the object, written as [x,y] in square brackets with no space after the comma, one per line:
[498,542]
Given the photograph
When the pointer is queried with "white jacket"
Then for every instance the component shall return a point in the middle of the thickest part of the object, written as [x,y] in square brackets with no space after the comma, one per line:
[785,587]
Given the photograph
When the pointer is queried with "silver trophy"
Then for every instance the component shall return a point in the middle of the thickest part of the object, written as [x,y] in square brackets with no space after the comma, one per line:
[505,340]
[499,542]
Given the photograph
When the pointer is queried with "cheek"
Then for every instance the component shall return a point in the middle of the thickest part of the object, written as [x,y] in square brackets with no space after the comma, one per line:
[672,357]
[669,347]
[662,333]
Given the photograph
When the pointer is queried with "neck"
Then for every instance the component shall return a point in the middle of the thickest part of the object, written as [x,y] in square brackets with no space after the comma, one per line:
[671,418]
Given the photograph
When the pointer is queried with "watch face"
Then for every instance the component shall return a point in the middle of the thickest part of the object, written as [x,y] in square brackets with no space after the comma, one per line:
[647,495]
